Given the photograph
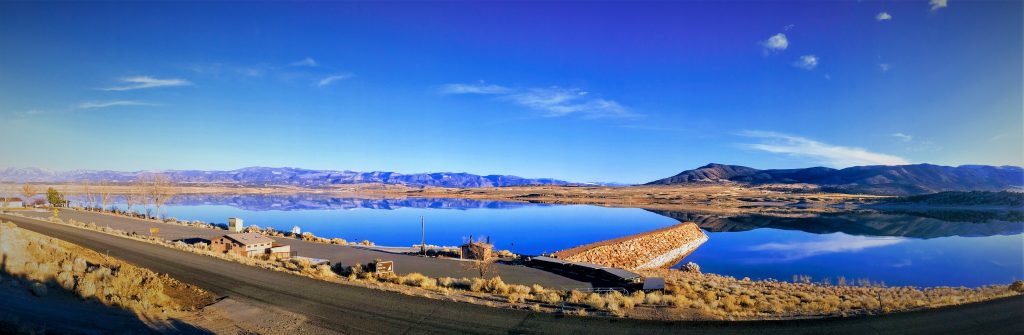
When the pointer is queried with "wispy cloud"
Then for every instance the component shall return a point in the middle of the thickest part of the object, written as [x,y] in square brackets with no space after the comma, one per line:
[883,16]
[938,4]
[552,101]
[473,89]
[903,137]
[333,78]
[807,62]
[308,62]
[829,244]
[832,155]
[115,103]
[884,67]
[141,82]
[775,43]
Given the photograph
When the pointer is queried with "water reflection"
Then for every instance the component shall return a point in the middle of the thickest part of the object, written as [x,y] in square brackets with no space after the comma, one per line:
[922,224]
[777,252]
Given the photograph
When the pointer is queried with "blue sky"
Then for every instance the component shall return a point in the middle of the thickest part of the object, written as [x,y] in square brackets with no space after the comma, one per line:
[626,92]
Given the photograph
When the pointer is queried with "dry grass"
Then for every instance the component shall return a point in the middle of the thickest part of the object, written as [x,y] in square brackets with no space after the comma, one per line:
[41,261]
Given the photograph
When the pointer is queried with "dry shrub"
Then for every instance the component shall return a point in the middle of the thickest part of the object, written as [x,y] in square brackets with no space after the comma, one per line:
[497,286]
[551,298]
[419,280]
[576,297]
[595,301]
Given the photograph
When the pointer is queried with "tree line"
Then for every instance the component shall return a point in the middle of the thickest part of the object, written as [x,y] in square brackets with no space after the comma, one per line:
[151,192]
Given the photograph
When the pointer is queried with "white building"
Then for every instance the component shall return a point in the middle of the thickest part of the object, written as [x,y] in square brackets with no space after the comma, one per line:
[11,203]
[296,230]
[236,225]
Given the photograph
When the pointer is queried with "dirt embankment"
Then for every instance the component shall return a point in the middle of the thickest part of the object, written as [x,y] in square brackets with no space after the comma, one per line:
[653,249]
[91,289]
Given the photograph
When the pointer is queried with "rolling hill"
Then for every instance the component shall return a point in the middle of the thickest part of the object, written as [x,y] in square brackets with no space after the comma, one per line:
[874,179]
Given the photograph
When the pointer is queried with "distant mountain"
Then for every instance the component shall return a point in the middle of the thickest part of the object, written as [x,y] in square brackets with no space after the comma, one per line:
[875,179]
[266,176]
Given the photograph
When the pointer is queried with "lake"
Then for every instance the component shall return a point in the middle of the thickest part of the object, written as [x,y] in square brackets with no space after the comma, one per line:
[955,248]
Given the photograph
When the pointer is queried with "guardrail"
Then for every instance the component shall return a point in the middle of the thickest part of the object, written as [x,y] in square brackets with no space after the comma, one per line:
[601,290]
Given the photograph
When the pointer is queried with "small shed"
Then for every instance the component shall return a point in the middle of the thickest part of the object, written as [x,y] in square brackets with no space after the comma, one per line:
[477,250]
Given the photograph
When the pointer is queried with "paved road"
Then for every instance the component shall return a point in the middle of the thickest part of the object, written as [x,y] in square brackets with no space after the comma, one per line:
[346,255]
[351,309]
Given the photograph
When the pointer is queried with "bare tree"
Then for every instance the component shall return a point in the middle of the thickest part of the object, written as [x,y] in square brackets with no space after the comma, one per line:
[103,193]
[160,191]
[5,192]
[29,191]
[86,195]
[132,197]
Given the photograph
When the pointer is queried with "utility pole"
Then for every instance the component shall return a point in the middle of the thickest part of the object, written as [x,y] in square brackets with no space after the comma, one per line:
[423,237]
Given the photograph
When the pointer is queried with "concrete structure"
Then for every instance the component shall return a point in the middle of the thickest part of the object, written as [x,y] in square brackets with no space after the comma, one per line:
[248,244]
[11,203]
[595,273]
[236,225]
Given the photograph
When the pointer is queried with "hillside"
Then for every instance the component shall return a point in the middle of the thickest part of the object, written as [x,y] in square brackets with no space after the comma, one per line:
[875,179]
[973,198]
[267,176]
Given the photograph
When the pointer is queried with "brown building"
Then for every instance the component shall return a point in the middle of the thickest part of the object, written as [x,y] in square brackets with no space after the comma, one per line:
[249,244]
[477,250]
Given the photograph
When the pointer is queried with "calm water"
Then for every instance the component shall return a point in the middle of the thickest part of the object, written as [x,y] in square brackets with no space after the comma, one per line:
[925,249]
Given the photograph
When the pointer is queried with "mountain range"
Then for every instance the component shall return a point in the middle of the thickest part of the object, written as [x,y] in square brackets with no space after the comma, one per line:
[266,176]
[873,179]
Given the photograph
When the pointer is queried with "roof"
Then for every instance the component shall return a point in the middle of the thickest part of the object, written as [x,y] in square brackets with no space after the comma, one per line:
[622,274]
[552,260]
[10,199]
[249,238]
[591,266]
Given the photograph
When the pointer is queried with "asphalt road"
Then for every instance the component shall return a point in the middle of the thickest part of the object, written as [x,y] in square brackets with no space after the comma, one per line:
[337,254]
[351,309]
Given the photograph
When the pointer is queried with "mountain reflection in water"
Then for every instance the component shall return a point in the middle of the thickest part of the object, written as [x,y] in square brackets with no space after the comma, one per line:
[917,224]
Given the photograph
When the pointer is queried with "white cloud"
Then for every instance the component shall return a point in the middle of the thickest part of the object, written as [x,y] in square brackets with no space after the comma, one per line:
[776,43]
[937,4]
[903,137]
[140,82]
[807,62]
[332,78]
[551,101]
[115,103]
[884,67]
[827,154]
[883,16]
[309,62]
[828,244]
[473,89]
